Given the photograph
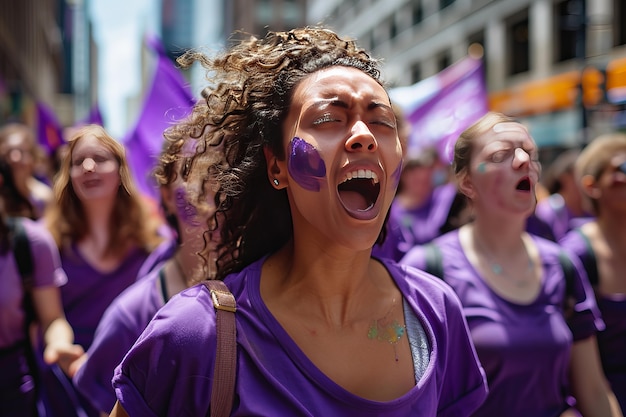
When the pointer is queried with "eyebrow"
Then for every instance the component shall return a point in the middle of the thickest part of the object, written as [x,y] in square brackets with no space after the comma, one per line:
[334,102]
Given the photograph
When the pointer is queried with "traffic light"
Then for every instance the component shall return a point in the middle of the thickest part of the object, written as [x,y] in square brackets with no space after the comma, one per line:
[593,85]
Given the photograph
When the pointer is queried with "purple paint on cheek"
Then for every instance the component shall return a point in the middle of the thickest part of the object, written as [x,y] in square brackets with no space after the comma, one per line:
[306,165]
[396,175]
[186,211]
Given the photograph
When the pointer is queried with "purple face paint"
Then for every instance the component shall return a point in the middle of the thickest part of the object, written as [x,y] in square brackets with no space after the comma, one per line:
[396,175]
[305,165]
[186,211]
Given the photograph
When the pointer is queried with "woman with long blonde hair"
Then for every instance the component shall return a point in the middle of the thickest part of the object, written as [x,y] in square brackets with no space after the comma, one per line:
[101,226]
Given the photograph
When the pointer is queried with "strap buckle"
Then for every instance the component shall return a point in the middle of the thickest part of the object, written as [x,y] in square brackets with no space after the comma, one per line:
[223,300]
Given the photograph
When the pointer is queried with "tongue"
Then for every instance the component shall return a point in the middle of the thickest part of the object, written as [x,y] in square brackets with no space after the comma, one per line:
[353,201]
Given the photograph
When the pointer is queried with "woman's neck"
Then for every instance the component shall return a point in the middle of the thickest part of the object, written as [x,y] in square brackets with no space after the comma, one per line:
[612,226]
[498,236]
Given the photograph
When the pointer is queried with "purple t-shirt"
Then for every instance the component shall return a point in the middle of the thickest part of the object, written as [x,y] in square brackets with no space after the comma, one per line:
[46,272]
[553,211]
[120,326]
[410,227]
[160,254]
[168,371]
[524,349]
[89,292]
[612,340]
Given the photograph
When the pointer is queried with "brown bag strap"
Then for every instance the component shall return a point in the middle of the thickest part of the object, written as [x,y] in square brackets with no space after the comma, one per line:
[226,356]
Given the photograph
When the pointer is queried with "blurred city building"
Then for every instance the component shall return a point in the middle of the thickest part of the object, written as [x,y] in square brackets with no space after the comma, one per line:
[559,65]
[74,54]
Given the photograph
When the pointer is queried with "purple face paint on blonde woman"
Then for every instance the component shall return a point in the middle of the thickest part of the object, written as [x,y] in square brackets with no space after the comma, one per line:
[186,211]
[305,164]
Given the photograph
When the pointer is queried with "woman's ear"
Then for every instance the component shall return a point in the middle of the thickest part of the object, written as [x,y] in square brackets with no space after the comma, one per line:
[465,185]
[276,169]
[589,187]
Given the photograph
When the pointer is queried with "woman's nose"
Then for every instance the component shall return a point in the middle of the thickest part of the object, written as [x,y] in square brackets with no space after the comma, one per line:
[361,138]
[521,158]
[89,164]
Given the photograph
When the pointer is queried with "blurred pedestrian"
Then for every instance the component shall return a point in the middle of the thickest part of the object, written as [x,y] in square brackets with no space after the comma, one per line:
[29,297]
[187,211]
[515,287]
[100,226]
[563,209]
[601,244]
[19,148]
[426,205]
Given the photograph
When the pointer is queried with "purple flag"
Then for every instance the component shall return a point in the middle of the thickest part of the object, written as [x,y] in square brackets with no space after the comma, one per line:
[94,117]
[49,130]
[440,107]
[169,100]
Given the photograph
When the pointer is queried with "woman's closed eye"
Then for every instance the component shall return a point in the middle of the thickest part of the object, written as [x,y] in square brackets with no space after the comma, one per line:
[501,155]
[325,118]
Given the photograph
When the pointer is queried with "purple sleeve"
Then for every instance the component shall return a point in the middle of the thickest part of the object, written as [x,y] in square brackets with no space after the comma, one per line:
[45,255]
[119,328]
[164,373]
[586,319]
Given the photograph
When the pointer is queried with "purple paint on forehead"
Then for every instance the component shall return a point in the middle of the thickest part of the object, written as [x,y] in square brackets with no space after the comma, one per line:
[305,164]
[186,211]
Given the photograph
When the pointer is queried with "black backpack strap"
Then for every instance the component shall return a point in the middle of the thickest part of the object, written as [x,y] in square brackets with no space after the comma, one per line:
[589,261]
[22,253]
[568,271]
[24,260]
[434,260]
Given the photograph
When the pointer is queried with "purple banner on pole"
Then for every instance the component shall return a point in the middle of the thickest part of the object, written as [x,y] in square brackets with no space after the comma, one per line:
[94,117]
[454,99]
[169,100]
[49,130]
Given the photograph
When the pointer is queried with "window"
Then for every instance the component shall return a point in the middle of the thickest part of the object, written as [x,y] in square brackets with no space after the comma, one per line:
[393,28]
[416,73]
[569,27]
[443,61]
[445,3]
[518,44]
[619,22]
[418,13]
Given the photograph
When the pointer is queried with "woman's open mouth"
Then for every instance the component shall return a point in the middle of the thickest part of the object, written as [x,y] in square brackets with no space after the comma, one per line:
[523,184]
[359,191]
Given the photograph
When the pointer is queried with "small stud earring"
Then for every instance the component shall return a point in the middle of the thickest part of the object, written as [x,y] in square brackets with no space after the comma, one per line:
[275,182]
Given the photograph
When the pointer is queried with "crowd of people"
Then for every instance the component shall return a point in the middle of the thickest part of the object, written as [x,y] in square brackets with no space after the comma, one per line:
[367,280]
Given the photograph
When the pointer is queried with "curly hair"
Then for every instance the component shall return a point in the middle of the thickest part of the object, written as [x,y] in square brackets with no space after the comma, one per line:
[130,223]
[245,104]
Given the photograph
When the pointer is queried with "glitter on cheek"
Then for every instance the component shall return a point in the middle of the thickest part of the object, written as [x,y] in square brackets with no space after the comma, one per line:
[305,164]
[186,211]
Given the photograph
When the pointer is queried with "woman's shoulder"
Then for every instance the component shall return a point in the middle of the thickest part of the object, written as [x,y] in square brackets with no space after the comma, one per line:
[419,284]
[139,299]
[37,233]
[551,251]
[186,321]
[447,244]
